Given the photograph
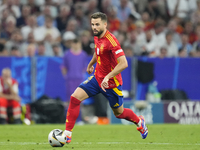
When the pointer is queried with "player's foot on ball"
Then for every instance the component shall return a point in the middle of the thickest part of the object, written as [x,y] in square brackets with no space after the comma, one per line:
[68,135]
[143,129]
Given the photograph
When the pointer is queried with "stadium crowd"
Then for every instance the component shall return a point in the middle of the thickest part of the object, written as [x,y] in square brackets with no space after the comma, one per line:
[154,28]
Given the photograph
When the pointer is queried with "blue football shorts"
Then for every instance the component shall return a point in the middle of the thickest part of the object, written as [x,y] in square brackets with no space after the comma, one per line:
[114,96]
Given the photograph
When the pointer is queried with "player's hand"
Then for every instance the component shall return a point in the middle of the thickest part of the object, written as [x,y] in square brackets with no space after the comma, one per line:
[90,69]
[104,84]
[8,83]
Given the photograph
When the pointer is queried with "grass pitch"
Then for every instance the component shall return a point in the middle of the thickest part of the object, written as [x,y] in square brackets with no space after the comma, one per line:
[102,137]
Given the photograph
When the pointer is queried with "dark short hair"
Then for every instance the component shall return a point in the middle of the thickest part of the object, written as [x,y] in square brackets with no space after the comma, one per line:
[99,15]
[1,47]
[76,40]
[14,48]
[169,33]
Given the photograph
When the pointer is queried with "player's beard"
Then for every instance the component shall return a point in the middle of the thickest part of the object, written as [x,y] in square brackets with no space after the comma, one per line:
[98,33]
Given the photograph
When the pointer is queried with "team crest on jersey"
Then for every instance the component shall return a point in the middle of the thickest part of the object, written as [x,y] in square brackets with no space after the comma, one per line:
[101,48]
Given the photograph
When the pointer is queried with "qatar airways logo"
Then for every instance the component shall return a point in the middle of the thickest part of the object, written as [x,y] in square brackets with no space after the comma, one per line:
[185,112]
[118,51]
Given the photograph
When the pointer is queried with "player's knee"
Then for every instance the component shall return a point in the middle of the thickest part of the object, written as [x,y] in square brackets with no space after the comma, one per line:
[117,113]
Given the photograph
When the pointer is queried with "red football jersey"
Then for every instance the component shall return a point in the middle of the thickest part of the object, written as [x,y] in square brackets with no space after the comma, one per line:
[107,51]
[4,89]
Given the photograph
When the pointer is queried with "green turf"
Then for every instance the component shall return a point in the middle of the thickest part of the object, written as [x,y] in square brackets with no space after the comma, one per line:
[103,137]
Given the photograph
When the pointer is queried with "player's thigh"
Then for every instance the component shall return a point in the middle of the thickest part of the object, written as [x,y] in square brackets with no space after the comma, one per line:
[80,94]
[115,98]
[14,104]
[3,102]
[90,86]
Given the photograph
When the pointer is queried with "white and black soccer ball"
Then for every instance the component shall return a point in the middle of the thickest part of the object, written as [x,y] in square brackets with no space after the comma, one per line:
[56,138]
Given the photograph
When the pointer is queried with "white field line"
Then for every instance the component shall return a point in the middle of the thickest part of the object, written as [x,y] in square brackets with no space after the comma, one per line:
[103,143]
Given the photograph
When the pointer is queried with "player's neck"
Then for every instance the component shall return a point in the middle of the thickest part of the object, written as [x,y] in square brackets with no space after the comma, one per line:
[102,34]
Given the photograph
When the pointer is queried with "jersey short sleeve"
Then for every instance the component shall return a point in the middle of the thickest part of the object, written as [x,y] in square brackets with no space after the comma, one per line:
[117,50]
[1,88]
[15,88]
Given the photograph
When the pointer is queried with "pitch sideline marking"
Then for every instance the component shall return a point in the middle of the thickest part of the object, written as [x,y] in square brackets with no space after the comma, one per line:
[88,143]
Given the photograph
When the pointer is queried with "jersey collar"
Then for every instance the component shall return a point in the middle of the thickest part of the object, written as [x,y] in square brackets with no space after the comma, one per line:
[105,34]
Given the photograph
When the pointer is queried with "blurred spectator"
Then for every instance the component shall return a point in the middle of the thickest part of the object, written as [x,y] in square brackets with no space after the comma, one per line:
[148,45]
[68,37]
[91,7]
[57,51]
[123,29]
[74,66]
[196,45]
[46,13]
[9,97]
[163,52]
[181,8]
[128,51]
[185,45]
[41,49]
[139,28]
[131,22]
[61,2]
[30,40]
[172,26]
[31,50]
[72,26]
[15,40]
[15,52]
[182,52]
[121,39]
[87,43]
[181,16]
[53,9]
[30,27]
[8,30]
[159,35]
[152,8]
[132,41]
[149,24]
[197,54]
[113,21]
[106,5]
[170,46]
[63,17]
[3,52]
[47,32]
[44,49]
[22,21]
[195,17]
[4,15]
[123,10]
[34,8]
[83,22]
[13,9]
[189,30]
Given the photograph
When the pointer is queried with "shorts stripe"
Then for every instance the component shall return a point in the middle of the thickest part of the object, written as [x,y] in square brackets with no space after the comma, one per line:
[118,91]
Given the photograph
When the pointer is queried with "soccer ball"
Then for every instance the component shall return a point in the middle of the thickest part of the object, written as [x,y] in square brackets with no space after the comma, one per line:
[56,138]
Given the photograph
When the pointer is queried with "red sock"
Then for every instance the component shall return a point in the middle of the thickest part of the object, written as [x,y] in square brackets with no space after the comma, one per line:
[129,115]
[72,113]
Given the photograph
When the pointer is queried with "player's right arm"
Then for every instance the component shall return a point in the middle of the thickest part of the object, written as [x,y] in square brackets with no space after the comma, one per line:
[90,66]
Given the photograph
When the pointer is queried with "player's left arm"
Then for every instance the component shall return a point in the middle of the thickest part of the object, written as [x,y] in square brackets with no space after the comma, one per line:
[122,64]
